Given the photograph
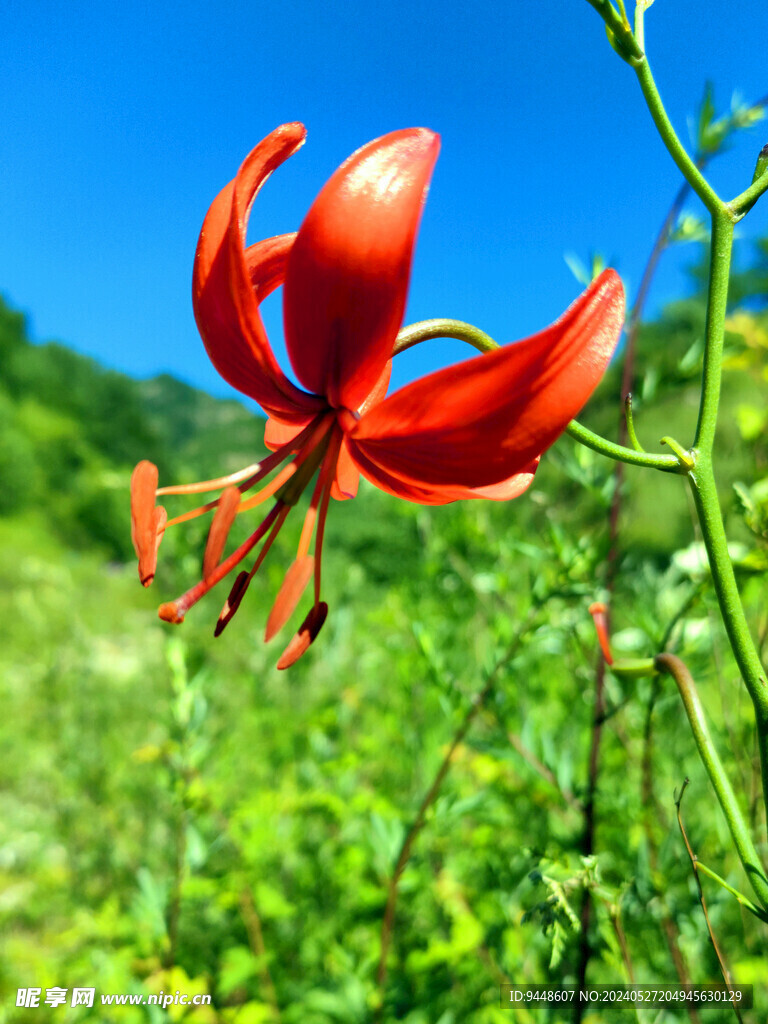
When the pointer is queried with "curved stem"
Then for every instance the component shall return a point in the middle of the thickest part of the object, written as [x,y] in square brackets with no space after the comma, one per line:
[676,150]
[742,840]
[667,463]
[426,330]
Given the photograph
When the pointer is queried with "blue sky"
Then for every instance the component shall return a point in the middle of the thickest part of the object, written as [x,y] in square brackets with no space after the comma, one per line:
[122,122]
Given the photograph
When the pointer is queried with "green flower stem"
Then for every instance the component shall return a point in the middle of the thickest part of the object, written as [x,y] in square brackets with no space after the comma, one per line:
[744,202]
[721,246]
[704,490]
[742,840]
[702,481]
[426,330]
[619,29]
[618,452]
[676,150]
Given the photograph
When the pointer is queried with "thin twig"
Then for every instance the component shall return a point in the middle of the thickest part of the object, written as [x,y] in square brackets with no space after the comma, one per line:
[695,865]
[588,836]
[546,773]
[251,919]
[174,906]
[253,927]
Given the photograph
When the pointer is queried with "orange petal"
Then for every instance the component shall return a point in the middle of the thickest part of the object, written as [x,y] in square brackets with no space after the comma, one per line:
[348,270]
[223,518]
[306,635]
[228,283]
[434,494]
[277,433]
[296,579]
[483,421]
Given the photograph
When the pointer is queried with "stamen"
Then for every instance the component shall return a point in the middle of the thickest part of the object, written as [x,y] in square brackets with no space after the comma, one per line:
[297,577]
[232,603]
[251,474]
[262,469]
[220,527]
[174,611]
[306,635]
[212,485]
[243,580]
[148,521]
[311,448]
[311,517]
[266,492]
[333,455]
[293,586]
[193,513]
[257,499]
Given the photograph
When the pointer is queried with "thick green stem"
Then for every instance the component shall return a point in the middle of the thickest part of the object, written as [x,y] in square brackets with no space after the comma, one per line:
[721,247]
[697,463]
[713,532]
[742,840]
[704,489]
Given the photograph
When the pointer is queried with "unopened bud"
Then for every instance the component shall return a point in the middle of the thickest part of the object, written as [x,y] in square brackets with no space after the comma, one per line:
[762,164]
[599,613]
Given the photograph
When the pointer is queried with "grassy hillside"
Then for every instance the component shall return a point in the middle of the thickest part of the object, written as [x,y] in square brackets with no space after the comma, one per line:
[175,814]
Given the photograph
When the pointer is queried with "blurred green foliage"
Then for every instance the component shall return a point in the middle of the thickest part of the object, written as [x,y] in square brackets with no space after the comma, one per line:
[176,814]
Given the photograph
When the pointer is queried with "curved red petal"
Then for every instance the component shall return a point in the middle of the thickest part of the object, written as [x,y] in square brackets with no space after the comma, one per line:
[348,270]
[426,494]
[278,433]
[228,284]
[483,421]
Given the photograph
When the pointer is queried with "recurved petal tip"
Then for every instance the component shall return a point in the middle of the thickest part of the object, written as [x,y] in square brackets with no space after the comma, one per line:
[306,635]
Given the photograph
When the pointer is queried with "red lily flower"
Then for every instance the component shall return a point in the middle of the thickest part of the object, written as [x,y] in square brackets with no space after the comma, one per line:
[475,430]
